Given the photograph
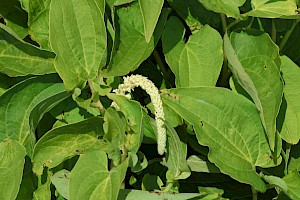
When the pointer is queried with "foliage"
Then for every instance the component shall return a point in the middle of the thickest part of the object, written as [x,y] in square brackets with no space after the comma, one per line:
[215,113]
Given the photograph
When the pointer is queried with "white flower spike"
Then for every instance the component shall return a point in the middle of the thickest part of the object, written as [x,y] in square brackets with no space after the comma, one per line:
[133,81]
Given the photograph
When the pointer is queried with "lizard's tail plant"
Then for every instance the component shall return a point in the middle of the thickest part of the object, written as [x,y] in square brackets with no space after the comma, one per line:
[133,81]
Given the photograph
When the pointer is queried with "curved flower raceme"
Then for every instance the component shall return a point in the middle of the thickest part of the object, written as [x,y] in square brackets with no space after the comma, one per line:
[133,81]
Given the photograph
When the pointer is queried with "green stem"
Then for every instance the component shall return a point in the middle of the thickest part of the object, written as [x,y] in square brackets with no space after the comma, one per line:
[260,24]
[288,34]
[170,184]
[161,67]
[39,181]
[274,32]
[254,193]
[224,23]
[252,20]
[96,102]
[288,147]
[124,153]
[233,23]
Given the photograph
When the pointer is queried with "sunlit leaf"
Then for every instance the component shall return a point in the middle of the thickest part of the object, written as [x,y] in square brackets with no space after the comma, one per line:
[18,58]
[12,159]
[27,102]
[67,141]
[229,125]
[197,62]
[255,63]
[78,37]
[95,181]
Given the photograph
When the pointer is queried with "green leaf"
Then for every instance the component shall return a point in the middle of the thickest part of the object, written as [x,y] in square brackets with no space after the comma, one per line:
[114,127]
[78,37]
[150,12]
[67,141]
[130,46]
[194,13]
[134,114]
[176,155]
[112,3]
[90,178]
[141,162]
[11,164]
[38,22]
[197,164]
[22,107]
[28,184]
[5,83]
[151,182]
[229,125]
[126,194]
[43,192]
[150,130]
[170,115]
[272,8]
[292,180]
[290,130]
[68,112]
[276,181]
[255,64]
[294,163]
[197,62]
[61,181]
[210,190]
[15,17]
[228,7]
[18,58]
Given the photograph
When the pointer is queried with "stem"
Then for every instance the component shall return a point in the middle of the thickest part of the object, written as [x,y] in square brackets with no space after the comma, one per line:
[39,181]
[97,103]
[161,66]
[249,26]
[288,34]
[260,24]
[287,156]
[224,23]
[273,31]
[254,193]
[233,23]
[225,74]
[168,187]
[124,153]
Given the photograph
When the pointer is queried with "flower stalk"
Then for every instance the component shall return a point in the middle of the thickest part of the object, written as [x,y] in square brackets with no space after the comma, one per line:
[134,81]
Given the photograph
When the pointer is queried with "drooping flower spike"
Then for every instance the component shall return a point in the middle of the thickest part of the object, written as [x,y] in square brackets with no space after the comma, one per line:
[133,81]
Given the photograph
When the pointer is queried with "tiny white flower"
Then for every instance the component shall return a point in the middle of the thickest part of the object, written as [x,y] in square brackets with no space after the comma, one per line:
[133,81]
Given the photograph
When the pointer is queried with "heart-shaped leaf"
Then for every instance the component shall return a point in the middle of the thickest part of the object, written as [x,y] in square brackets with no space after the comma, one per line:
[199,61]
